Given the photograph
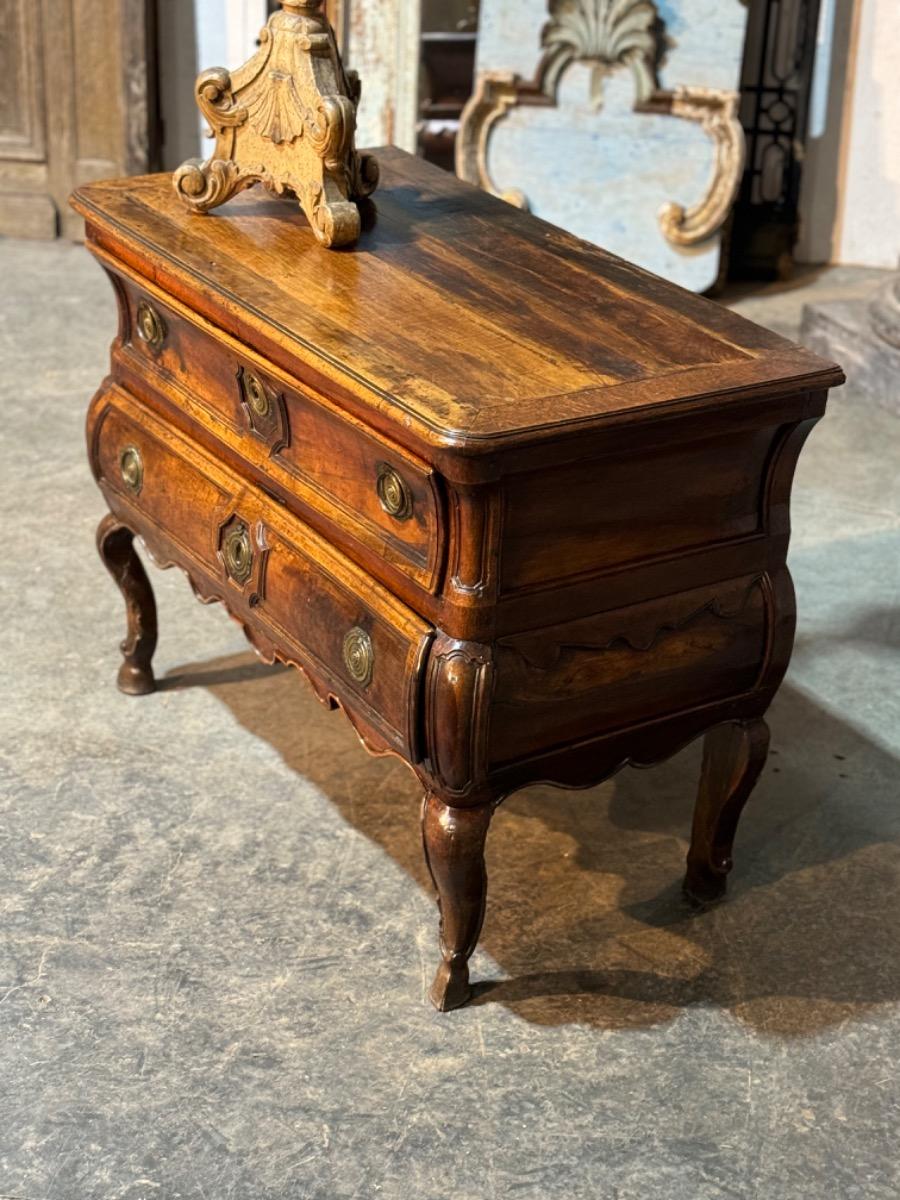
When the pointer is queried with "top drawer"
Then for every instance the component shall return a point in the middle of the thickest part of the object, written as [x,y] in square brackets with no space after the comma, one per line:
[326,463]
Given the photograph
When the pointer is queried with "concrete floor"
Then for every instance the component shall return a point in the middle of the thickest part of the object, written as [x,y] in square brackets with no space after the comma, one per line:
[217,931]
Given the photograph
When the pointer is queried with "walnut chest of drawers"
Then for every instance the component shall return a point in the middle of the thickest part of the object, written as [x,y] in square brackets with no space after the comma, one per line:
[518,508]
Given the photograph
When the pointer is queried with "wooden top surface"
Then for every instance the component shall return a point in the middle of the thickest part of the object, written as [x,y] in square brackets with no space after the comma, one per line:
[468,320]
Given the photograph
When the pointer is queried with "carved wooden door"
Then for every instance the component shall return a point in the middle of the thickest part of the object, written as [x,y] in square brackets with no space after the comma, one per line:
[77,102]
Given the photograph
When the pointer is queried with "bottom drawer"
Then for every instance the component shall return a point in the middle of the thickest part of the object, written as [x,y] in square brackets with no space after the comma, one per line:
[600,674]
[297,597]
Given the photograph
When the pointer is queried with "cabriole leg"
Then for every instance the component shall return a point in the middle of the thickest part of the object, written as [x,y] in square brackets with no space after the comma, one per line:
[116,545]
[733,756]
[454,850]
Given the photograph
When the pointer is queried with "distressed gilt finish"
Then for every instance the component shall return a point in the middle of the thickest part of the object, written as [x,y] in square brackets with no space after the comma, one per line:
[609,35]
[286,119]
[518,508]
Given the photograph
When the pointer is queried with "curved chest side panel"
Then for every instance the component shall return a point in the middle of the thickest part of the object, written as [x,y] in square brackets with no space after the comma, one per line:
[591,677]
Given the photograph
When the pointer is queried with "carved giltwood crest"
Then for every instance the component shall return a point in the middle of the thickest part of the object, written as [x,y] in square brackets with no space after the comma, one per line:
[608,35]
[286,119]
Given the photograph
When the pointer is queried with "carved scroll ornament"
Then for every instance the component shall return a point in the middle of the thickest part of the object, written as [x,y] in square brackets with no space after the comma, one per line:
[608,35]
[286,119]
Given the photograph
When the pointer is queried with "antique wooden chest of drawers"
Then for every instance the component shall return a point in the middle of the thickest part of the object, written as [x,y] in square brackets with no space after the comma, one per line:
[517,507]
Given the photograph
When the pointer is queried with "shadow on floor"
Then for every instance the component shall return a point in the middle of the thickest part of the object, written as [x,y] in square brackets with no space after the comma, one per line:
[584,913]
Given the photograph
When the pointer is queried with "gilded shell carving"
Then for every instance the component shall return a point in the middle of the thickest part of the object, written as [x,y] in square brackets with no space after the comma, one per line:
[274,109]
[610,30]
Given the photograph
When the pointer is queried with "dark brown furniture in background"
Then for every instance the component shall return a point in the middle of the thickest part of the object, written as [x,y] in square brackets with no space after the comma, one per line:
[449,39]
[519,508]
[448,71]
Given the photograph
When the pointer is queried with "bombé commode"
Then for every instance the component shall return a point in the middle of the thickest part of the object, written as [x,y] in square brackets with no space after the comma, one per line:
[519,508]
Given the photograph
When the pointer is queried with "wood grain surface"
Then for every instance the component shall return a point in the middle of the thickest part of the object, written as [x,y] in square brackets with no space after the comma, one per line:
[478,322]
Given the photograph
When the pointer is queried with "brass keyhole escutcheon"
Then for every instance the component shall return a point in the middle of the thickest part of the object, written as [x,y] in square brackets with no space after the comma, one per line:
[131,466]
[150,326]
[237,553]
[257,396]
[359,656]
[394,495]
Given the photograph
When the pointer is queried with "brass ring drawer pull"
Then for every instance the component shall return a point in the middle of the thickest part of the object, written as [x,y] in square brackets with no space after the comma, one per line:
[131,466]
[237,553]
[359,656]
[150,326]
[394,495]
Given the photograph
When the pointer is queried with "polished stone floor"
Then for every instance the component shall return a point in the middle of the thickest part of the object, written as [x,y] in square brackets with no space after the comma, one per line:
[216,931]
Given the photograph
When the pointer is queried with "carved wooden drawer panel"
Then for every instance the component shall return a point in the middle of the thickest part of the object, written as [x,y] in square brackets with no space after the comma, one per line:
[608,514]
[357,642]
[328,464]
[599,674]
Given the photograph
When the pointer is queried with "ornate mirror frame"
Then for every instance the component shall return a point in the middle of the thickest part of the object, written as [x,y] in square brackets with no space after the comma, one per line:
[608,35]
